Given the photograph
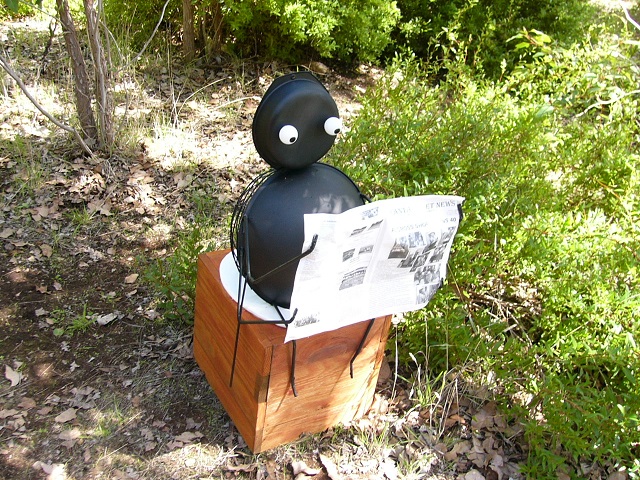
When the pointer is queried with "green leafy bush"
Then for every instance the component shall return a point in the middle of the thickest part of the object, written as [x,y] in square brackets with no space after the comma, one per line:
[174,277]
[478,30]
[16,8]
[544,276]
[137,20]
[283,28]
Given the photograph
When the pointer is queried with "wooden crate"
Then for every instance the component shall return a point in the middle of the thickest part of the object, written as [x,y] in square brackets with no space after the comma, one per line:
[261,402]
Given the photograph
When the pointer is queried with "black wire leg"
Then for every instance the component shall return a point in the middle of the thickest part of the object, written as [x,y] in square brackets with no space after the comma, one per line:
[360,347]
[292,378]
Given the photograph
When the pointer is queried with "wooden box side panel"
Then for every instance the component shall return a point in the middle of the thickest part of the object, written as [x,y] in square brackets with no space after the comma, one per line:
[241,401]
[327,395]
[243,418]
[214,339]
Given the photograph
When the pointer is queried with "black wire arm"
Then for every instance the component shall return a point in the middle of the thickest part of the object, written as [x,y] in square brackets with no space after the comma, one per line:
[311,248]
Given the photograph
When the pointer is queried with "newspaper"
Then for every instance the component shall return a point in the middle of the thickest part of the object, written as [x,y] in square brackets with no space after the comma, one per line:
[385,257]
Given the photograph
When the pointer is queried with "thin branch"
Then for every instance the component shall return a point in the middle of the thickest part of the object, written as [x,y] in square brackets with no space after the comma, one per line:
[53,24]
[236,101]
[153,34]
[628,15]
[7,68]
[600,103]
[195,93]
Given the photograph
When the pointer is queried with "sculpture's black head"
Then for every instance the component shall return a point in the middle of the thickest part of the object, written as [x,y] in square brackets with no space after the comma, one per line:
[296,122]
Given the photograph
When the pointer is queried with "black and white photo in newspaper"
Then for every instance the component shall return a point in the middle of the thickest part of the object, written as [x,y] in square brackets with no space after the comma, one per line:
[385,257]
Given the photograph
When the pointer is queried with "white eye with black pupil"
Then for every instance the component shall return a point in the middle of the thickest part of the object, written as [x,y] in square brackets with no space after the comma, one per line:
[333,126]
[288,134]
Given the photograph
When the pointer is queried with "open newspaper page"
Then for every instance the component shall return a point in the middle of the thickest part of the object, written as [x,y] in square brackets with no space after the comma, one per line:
[384,257]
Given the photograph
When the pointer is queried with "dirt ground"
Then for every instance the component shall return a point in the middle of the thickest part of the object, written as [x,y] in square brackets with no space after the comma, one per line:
[94,384]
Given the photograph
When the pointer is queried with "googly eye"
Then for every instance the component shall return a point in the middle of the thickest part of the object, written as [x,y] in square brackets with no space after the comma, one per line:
[288,134]
[333,126]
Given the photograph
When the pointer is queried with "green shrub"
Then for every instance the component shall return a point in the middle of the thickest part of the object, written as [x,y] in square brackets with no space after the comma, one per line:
[174,277]
[284,29]
[590,75]
[16,8]
[544,274]
[345,30]
[137,20]
[478,30]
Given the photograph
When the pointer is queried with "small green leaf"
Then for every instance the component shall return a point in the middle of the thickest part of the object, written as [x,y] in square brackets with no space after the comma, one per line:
[12,5]
[544,110]
[542,38]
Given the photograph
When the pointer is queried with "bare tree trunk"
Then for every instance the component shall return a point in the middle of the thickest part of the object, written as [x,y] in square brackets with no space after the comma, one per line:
[82,86]
[103,94]
[188,32]
[212,29]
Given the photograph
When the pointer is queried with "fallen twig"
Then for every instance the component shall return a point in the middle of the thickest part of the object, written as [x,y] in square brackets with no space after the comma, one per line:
[12,73]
